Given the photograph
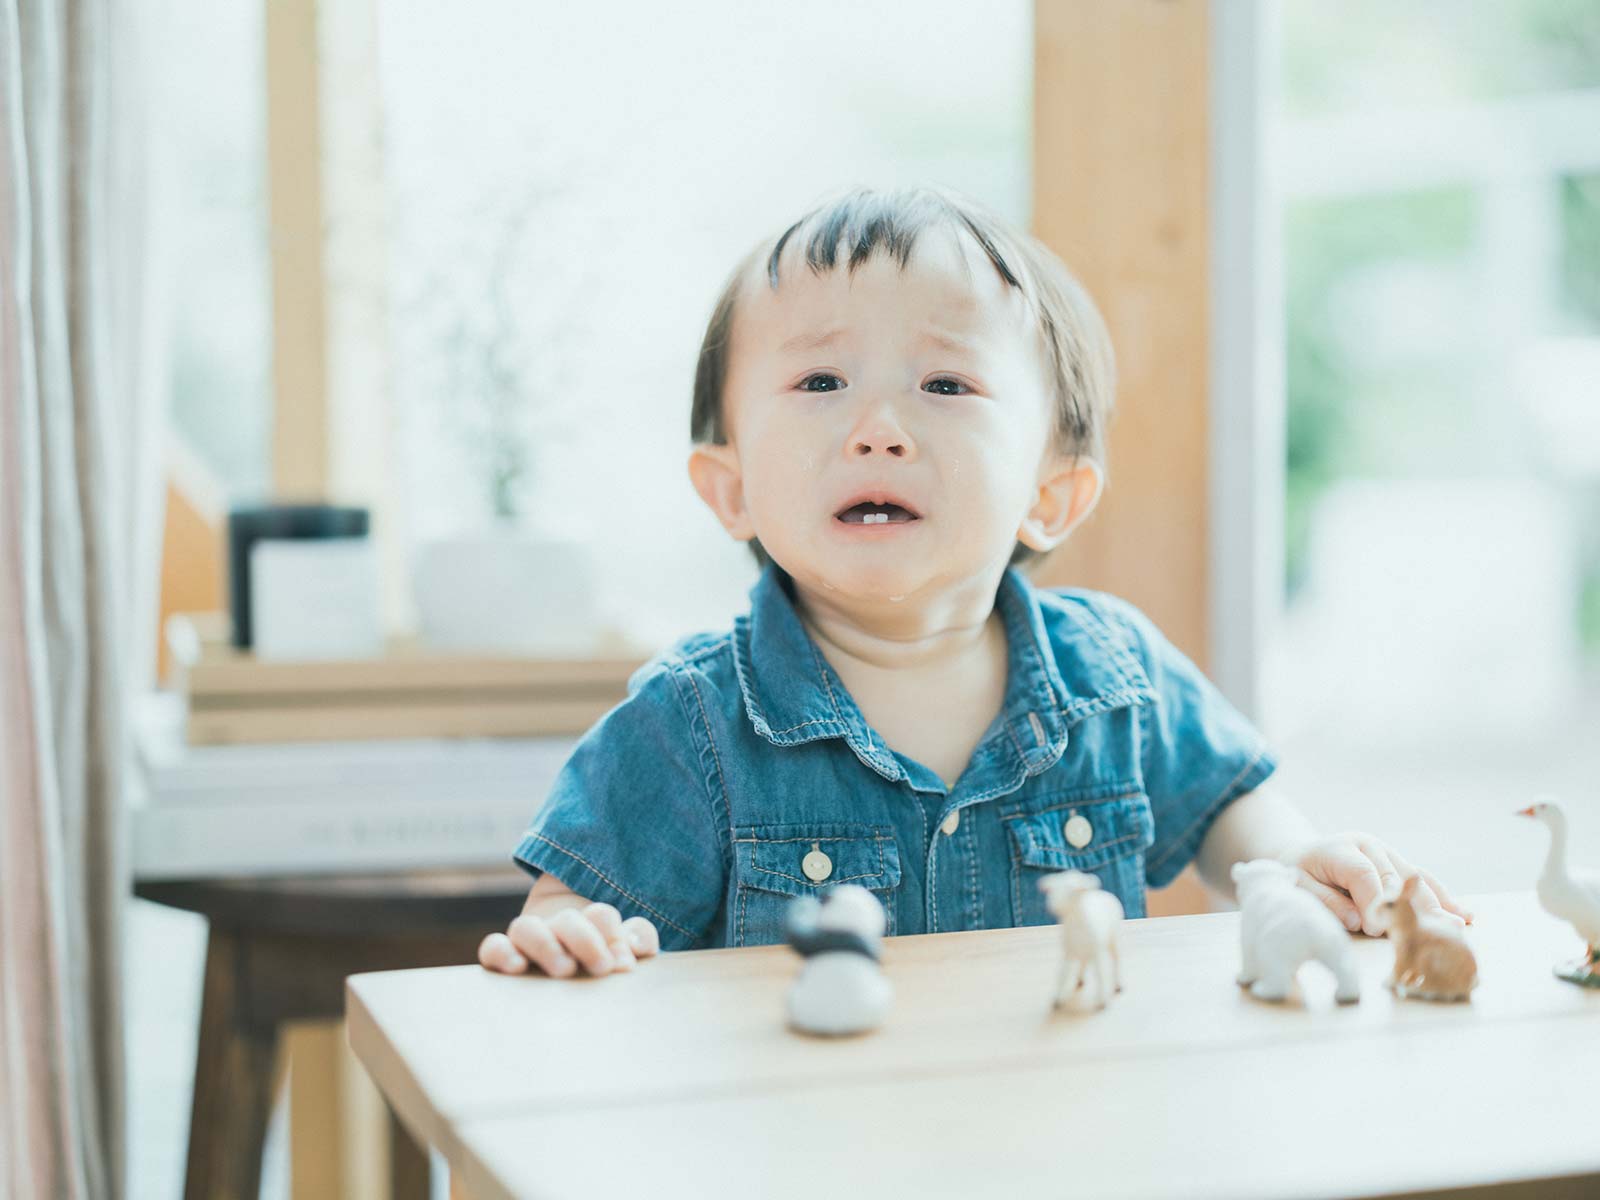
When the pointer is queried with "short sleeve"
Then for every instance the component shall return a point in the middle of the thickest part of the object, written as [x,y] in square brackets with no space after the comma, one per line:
[630,819]
[1198,752]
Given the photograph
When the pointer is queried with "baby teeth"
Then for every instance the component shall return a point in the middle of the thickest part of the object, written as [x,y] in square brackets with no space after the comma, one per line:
[875,519]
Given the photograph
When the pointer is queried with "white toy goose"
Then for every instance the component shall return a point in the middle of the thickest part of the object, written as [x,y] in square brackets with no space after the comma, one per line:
[1573,897]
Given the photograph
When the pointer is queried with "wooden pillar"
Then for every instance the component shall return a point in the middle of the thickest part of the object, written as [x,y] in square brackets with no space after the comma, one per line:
[330,429]
[1120,193]
[333,428]
[1121,182]
[300,455]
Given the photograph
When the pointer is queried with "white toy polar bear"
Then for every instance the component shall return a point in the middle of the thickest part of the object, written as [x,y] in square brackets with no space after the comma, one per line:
[1282,925]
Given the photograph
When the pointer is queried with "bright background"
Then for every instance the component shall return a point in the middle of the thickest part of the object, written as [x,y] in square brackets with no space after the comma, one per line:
[568,185]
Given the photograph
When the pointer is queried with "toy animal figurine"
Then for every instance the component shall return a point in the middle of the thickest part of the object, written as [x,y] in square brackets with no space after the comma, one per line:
[1432,960]
[840,989]
[1574,897]
[1281,926]
[1090,922]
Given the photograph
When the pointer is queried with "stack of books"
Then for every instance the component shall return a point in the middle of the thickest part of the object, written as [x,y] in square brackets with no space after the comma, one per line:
[409,692]
[411,761]
[308,807]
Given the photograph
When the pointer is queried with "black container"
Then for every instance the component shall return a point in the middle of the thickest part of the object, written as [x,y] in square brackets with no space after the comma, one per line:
[246,526]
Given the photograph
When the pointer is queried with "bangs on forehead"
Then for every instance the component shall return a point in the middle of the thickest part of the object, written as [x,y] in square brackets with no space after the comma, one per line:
[863,223]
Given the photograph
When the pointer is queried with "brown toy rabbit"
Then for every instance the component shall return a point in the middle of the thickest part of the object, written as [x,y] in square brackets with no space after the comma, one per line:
[1432,960]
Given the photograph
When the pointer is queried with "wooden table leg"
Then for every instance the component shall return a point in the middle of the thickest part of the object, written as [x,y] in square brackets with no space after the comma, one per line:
[317,1125]
[408,1163]
[233,1081]
[341,1133]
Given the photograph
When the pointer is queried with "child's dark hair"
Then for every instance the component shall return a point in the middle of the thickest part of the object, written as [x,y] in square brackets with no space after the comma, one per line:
[865,222]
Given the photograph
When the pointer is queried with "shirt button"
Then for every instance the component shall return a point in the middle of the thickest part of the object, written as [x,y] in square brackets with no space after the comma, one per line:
[951,823]
[817,866]
[1078,830]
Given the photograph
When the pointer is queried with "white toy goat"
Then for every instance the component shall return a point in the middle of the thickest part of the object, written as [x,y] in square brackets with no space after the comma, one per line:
[1281,926]
[840,988]
[1090,921]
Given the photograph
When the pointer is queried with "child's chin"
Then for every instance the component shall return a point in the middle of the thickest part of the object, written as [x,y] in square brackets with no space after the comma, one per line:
[883,579]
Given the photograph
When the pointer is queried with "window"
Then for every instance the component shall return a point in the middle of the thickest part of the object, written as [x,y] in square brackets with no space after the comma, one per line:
[1439,659]
[569,187]
[208,252]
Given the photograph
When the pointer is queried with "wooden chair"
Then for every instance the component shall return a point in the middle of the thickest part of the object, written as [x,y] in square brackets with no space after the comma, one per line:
[279,951]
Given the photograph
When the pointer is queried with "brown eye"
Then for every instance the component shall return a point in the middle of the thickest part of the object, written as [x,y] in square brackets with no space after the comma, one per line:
[821,381]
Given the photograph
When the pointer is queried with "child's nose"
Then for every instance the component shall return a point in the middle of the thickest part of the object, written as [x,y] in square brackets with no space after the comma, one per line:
[879,433]
[883,445]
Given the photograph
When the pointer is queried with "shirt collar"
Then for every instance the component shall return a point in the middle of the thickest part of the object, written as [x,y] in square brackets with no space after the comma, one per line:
[792,695]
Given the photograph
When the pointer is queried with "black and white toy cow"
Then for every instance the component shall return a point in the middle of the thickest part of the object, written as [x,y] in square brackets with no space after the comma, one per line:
[840,988]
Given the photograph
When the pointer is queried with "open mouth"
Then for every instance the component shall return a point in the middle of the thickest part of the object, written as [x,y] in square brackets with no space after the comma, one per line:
[876,513]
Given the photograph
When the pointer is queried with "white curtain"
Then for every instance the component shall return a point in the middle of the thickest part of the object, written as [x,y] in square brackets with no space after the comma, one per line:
[74,438]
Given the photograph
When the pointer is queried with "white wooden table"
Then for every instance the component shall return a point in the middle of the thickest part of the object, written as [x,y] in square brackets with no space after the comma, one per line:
[680,1079]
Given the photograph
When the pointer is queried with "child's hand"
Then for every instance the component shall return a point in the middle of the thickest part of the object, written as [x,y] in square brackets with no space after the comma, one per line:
[594,937]
[1349,871]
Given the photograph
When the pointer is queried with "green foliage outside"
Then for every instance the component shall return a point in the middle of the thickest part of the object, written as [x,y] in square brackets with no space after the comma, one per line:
[1343,411]
[1349,413]
[1377,54]
[1580,236]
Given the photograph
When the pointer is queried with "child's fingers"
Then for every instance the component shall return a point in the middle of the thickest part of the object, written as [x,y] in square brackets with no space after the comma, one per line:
[1358,874]
[1342,867]
[642,936]
[498,954]
[1427,902]
[583,941]
[538,943]
[1448,901]
[608,921]
[1390,875]
[1441,894]
[595,938]
[1338,903]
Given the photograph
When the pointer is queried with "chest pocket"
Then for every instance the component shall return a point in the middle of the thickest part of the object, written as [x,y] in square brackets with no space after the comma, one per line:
[775,863]
[1106,838]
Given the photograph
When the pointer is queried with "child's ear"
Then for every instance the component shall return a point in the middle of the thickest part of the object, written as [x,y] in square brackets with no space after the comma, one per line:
[1067,494]
[715,472]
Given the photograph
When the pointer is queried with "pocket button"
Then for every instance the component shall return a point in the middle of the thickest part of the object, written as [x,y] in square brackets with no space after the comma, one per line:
[817,866]
[1078,830]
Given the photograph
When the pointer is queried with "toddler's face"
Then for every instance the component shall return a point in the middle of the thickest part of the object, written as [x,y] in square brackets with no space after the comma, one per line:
[888,431]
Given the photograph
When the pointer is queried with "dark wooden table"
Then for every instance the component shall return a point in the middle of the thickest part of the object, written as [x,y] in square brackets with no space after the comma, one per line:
[279,950]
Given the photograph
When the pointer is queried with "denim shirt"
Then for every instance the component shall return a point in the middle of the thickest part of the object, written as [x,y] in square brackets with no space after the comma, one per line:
[739,774]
